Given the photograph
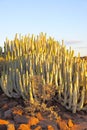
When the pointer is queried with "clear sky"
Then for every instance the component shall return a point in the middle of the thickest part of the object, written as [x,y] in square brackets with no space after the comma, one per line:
[61,19]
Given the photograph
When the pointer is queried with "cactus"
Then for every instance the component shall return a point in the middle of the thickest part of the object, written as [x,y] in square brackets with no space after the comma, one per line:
[28,57]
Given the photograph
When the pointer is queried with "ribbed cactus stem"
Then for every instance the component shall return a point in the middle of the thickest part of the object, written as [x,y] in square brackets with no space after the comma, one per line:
[75,93]
[31,94]
[4,84]
[70,94]
[60,85]
[74,105]
[56,79]
[80,105]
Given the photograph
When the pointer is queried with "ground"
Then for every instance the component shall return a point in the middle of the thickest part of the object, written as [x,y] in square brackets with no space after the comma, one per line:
[16,114]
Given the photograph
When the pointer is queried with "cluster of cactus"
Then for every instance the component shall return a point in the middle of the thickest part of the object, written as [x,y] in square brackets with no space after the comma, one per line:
[34,63]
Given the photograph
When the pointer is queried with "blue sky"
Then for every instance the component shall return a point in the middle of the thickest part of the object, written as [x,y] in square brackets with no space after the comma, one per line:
[61,19]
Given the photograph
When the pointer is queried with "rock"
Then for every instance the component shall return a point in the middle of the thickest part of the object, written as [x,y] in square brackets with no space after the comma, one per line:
[17,111]
[5,107]
[70,123]
[39,116]
[10,127]
[21,119]
[33,121]
[38,128]
[0,114]
[12,104]
[8,114]
[50,127]
[3,122]
[3,127]
[0,87]
[62,125]
[3,101]
[66,116]
[45,123]
[23,127]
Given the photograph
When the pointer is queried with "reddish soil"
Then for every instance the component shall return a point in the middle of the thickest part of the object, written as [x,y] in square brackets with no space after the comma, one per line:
[16,114]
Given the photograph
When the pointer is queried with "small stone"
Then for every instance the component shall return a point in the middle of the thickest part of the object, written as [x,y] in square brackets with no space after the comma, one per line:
[3,127]
[38,128]
[10,127]
[8,114]
[3,122]
[21,119]
[62,125]
[39,116]
[70,123]
[45,123]
[33,121]
[50,127]
[0,114]
[17,111]
[5,107]
[12,104]
[23,127]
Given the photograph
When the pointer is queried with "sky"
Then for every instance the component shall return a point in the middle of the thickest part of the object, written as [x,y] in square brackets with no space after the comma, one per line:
[62,19]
